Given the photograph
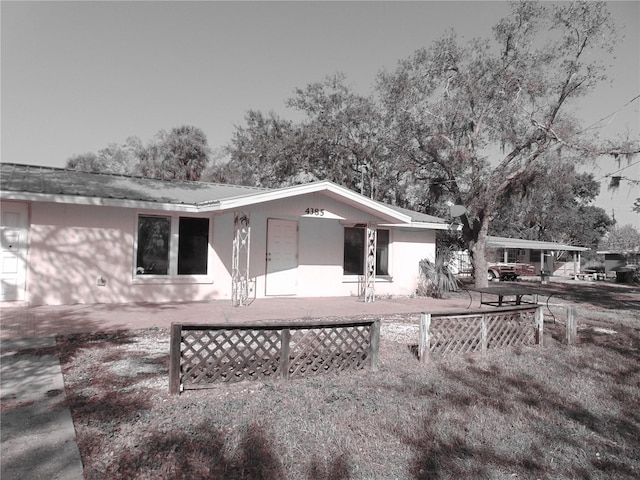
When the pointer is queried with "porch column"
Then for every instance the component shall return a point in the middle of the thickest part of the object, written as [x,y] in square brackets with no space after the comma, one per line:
[370,266]
[240,260]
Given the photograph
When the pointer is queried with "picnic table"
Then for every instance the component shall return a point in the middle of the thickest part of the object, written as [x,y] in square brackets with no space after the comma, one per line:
[502,295]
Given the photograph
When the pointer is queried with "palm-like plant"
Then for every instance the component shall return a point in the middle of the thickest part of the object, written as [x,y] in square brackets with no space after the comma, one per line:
[436,278]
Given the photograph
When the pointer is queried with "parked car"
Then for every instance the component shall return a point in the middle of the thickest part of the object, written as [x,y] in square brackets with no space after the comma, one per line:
[509,271]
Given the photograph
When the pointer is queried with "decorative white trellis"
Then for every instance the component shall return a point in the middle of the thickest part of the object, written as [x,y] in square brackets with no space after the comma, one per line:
[240,260]
[370,267]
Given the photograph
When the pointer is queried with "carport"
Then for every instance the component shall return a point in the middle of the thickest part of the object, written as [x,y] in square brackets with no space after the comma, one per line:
[543,255]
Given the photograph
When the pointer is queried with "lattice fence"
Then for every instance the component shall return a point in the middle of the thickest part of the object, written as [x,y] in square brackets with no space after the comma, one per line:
[469,331]
[204,354]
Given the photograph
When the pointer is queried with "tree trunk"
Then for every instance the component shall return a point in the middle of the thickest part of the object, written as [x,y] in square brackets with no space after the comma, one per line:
[478,249]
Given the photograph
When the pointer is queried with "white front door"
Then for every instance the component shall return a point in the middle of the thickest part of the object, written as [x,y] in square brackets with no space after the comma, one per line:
[13,229]
[282,257]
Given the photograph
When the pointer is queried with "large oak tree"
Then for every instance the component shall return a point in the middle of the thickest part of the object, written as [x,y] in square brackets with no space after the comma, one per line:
[474,119]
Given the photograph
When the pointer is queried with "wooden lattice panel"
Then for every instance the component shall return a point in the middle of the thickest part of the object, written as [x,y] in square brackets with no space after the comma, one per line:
[468,332]
[510,330]
[228,355]
[201,354]
[453,335]
[321,350]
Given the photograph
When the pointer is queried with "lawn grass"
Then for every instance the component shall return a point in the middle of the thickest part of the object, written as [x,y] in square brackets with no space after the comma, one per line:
[555,412]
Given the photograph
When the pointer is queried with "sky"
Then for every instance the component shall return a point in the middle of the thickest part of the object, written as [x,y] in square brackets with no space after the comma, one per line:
[77,76]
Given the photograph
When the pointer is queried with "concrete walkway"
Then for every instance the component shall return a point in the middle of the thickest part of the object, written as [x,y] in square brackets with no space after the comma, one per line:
[37,437]
[37,432]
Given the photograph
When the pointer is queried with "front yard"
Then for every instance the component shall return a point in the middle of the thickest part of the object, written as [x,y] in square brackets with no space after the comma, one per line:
[554,412]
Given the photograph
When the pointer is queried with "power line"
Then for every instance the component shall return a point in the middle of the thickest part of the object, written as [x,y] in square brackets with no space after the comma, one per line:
[610,115]
[619,170]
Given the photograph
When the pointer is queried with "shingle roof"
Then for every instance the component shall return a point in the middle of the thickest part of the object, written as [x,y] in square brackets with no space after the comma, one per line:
[49,181]
[418,217]
[60,181]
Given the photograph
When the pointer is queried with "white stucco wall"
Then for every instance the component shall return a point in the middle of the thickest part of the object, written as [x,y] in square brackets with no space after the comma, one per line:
[320,258]
[72,246]
[409,247]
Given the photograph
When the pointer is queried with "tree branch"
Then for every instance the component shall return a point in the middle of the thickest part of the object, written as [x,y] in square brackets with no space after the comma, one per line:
[580,148]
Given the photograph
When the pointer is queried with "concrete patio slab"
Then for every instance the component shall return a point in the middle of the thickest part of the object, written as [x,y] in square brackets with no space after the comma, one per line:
[47,321]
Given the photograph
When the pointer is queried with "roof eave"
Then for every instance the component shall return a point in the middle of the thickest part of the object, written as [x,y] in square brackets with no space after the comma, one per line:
[504,242]
[391,216]
[97,201]
[418,226]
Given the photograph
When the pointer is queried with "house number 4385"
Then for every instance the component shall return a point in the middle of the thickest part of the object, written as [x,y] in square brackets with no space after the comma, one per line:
[318,212]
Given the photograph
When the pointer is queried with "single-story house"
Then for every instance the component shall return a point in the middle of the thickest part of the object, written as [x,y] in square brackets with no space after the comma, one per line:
[76,237]
[549,256]
[557,258]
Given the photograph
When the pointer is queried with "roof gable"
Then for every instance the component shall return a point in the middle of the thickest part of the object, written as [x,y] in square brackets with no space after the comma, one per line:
[330,189]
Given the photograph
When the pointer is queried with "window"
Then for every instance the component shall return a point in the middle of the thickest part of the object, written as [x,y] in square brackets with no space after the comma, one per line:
[172,245]
[512,255]
[354,251]
[154,234]
[193,246]
[534,256]
[382,253]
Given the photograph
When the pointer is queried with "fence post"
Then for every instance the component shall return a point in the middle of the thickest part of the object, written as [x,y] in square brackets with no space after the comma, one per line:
[539,319]
[423,343]
[174,358]
[483,333]
[375,343]
[572,326]
[285,351]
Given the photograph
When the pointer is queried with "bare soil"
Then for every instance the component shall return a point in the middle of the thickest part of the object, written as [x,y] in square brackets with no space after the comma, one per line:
[551,412]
